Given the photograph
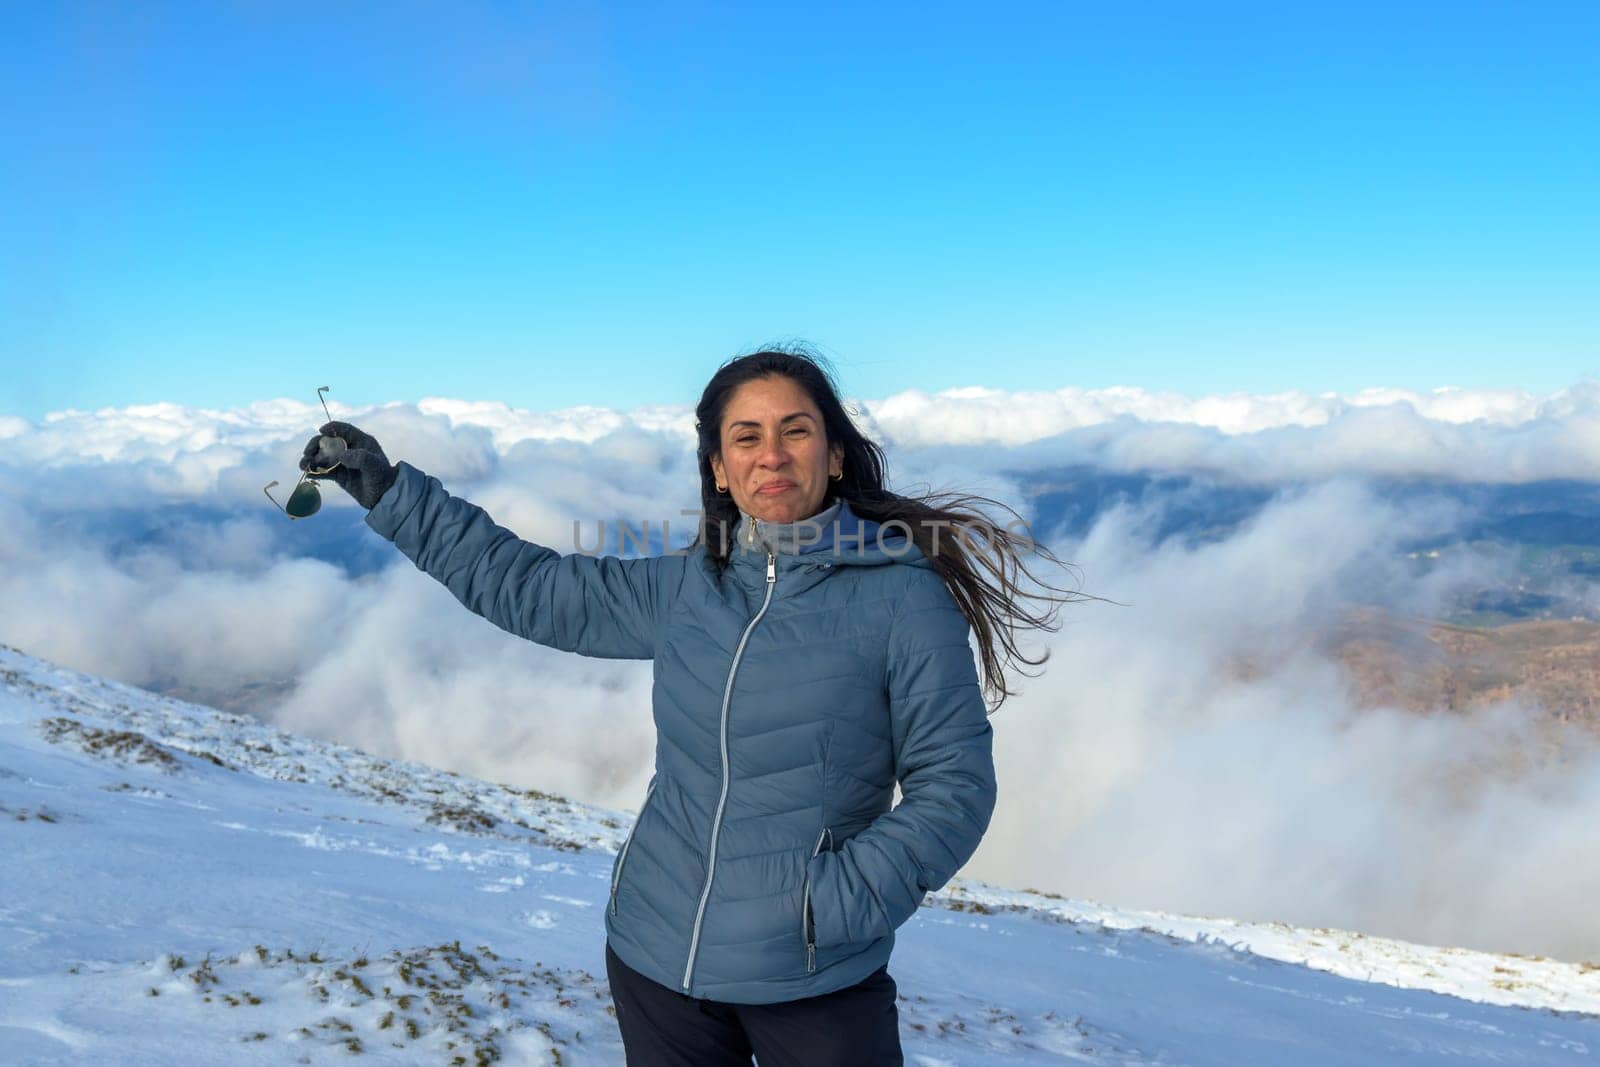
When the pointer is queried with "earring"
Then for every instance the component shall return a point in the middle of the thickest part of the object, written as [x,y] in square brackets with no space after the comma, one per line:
[839,477]
[722,489]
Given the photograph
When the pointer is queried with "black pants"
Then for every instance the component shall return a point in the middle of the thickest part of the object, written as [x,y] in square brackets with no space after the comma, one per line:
[857,1026]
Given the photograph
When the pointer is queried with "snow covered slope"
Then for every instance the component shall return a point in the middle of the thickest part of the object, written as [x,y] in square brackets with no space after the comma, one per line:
[180,885]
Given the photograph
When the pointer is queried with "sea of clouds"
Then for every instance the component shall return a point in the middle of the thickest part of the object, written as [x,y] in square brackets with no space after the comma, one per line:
[1188,745]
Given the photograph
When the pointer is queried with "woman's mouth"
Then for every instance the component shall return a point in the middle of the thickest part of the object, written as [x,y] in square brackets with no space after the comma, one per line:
[774,488]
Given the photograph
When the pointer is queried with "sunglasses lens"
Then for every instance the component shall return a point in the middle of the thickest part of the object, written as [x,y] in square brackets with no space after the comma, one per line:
[304,501]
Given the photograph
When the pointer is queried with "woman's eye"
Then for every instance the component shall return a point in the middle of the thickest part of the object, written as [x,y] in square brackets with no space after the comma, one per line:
[750,439]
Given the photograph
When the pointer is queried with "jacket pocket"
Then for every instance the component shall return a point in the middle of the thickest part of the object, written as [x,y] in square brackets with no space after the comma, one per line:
[622,854]
[808,932]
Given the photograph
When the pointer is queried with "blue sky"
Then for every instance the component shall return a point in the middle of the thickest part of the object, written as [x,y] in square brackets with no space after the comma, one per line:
[561,204]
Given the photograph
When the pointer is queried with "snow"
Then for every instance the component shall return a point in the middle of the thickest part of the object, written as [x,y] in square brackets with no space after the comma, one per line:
[186,885]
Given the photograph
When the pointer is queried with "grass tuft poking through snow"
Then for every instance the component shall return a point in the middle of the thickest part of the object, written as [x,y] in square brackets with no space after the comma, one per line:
[437,1003]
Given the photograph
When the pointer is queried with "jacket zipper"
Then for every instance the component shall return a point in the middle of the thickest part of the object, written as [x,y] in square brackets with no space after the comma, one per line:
[807,930]
[716,822]
[622,857]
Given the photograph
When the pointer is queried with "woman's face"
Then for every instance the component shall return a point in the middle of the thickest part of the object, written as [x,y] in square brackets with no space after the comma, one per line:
[774,457]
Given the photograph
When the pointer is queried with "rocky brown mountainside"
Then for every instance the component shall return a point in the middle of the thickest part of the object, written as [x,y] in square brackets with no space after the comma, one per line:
[1429,666]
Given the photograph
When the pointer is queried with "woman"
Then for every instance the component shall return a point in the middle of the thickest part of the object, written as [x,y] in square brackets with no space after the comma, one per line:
[810,651]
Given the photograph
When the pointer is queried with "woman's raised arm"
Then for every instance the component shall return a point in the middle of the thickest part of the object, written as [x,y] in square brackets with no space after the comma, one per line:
[602,606]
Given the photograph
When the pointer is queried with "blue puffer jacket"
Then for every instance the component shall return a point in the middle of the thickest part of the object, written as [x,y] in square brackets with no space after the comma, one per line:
[791,692]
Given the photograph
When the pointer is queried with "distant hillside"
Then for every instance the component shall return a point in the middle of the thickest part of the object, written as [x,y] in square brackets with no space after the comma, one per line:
[1549,530]
[1429,666]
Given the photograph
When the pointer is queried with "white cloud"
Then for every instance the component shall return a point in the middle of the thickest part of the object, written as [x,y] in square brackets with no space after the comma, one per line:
[1198,751]
[977,415]
[1481,435]
[509,425]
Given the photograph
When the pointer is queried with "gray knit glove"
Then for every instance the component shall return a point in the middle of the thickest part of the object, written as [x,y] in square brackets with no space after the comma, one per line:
[363,470]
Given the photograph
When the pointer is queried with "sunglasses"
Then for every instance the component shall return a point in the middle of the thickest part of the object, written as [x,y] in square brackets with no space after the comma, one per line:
[305,499]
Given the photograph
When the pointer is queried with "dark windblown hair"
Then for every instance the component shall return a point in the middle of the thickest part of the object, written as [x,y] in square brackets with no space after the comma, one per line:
[980,562]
